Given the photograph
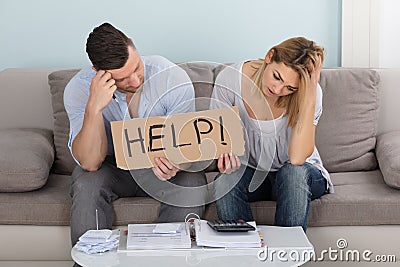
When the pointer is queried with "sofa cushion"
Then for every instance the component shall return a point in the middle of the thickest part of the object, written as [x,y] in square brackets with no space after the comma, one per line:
[63,163]
[360,198]
[345,135]
[388,154]
[51,205]
[26,156]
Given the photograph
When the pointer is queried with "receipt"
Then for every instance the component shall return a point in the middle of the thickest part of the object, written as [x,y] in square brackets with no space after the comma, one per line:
[96,236]
[98,241]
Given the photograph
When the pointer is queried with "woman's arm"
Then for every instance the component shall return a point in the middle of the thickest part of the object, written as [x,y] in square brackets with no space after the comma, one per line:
[302,140]
[223,96]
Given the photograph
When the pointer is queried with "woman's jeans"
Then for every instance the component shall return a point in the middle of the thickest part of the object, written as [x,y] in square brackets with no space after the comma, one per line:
[292,187]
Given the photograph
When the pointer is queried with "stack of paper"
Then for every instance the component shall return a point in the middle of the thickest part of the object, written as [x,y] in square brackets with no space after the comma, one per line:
[97,241]
[287,238]
[157,236]
[206,236]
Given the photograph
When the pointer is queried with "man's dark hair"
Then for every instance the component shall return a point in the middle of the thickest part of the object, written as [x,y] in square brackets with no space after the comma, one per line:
[107,47]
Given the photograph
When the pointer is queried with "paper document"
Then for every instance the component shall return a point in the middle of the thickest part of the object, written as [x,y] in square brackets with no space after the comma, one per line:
[143,236]
[286,238]
[168,228]
[206,236]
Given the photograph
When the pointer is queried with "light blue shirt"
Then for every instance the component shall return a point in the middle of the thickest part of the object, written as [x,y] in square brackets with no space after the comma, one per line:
[167,89]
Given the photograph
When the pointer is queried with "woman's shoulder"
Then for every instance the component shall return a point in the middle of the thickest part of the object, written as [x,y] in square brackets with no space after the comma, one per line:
[250,67]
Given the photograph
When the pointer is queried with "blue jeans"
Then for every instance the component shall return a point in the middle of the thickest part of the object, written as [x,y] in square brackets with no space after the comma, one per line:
[292,187]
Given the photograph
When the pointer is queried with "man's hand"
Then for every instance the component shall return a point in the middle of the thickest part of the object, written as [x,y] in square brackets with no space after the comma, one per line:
[228,163]
[102,89]
[164,170]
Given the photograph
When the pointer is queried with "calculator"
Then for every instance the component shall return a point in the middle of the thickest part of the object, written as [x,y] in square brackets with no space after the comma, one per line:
[230,226]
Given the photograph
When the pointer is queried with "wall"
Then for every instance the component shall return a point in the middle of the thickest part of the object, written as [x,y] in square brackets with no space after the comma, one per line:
[390,35]
[370,33]
[52,34]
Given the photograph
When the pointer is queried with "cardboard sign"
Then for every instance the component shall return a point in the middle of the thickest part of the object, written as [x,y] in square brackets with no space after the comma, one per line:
[181,138]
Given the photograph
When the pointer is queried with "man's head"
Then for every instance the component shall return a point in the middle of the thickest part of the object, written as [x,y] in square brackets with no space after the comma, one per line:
[111,50]
[107,47]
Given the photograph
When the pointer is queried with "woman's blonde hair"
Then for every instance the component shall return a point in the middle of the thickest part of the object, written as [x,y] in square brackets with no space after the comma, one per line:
[302,56]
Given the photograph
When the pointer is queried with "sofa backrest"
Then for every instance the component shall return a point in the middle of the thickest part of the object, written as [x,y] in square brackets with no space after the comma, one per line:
[346,132]
[63,161]
[30,87]
[25,100]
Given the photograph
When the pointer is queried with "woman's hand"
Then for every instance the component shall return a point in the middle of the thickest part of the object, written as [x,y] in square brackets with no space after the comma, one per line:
[228,163]
[164,170]
[302,139]
[314,78]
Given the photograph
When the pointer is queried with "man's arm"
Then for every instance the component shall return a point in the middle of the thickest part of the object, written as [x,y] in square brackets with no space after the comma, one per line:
[90,145]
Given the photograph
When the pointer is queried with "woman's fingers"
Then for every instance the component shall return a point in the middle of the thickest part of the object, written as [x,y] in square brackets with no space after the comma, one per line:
[228,163]
[238,163]
[233,162]
[221,164]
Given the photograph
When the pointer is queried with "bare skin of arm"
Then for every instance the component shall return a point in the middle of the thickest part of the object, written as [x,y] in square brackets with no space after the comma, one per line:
[302,140]
[90,145]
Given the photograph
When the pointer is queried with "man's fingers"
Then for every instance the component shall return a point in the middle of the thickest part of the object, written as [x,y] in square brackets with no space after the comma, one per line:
[157,174]
[110,83]
[99,74]
[112,89]
[166,167]
[105,77]
[160,175]
[167,163]
[162,166]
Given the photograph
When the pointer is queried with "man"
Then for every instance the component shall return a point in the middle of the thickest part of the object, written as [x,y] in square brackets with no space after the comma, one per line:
[122,85]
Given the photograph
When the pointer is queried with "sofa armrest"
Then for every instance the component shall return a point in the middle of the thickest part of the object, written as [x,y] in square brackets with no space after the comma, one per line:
[388,154]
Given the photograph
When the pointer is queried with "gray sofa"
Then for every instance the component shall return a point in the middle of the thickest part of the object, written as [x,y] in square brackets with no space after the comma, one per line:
[358,138]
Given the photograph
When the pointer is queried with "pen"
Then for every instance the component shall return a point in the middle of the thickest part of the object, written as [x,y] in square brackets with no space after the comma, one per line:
[97,221]
[115,98]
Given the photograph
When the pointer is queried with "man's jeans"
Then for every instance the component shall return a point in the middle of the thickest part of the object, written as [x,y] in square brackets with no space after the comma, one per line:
[292,187]
[98,190]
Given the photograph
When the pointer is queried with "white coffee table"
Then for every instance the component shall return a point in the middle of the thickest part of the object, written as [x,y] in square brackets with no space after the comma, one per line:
[295,253]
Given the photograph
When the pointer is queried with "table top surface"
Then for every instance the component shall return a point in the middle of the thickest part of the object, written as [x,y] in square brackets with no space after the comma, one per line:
[201,256]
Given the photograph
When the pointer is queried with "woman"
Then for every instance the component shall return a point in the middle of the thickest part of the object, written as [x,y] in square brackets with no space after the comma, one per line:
[280,103]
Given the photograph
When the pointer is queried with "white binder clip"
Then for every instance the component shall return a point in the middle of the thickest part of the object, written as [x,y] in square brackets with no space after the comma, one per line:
[189,219]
